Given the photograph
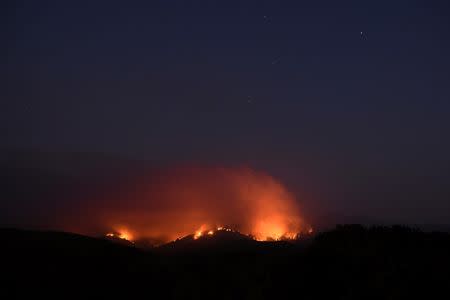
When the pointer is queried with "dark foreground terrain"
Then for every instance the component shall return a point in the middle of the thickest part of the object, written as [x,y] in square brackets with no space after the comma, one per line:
[350,262]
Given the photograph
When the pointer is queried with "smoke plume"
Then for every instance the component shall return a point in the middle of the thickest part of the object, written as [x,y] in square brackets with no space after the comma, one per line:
[174,202]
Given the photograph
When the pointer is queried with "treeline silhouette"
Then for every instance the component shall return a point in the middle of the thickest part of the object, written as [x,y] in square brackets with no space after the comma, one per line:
[349,262]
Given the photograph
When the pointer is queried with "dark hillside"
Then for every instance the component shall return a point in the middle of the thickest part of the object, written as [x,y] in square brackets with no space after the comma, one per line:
[350,262]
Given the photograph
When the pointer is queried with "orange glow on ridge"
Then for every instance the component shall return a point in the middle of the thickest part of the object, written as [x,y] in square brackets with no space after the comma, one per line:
[177,202]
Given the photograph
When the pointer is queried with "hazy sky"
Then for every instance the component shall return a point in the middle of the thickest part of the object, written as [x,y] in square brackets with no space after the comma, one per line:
[346,102]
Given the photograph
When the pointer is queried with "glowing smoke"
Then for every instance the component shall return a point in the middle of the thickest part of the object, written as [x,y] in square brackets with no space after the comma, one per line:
[178,201]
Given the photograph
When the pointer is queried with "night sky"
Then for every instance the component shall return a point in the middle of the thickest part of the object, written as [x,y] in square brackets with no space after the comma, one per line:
[346,103]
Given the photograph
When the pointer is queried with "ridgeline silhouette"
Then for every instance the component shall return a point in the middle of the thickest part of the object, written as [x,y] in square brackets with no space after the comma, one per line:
[349,262]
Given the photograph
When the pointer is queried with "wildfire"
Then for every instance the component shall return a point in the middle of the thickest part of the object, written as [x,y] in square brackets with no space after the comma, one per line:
[276,227]
[122,233]
[271,233]
[199,202]
[125,235]
[202,231]
[198,234]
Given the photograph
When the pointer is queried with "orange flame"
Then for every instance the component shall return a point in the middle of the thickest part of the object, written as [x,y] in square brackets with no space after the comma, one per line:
[121,233]
[125,234]
[199,232]
[177,202]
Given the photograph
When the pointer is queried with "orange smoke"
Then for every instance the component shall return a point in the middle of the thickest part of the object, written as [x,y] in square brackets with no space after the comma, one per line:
[176,202]
[121,234]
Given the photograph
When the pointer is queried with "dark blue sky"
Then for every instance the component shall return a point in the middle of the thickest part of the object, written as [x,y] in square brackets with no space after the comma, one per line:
[357,122]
